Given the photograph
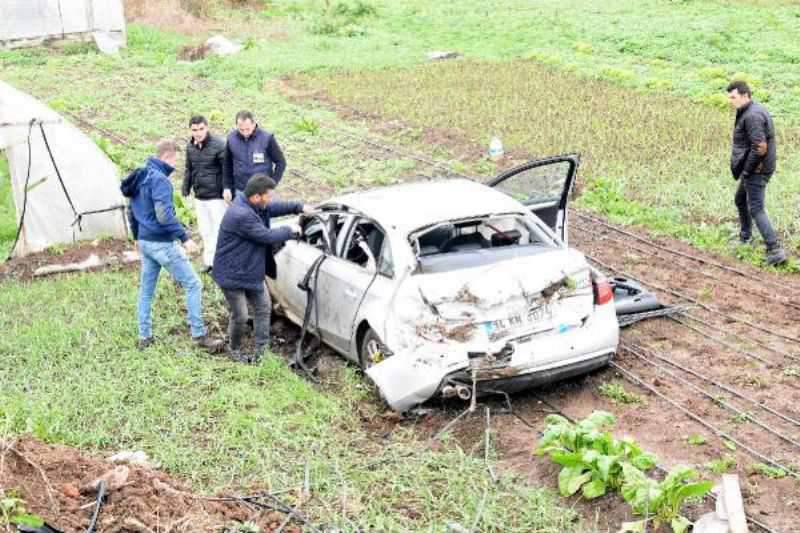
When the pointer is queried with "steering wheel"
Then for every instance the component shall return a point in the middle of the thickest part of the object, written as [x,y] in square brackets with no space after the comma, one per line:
[354,252]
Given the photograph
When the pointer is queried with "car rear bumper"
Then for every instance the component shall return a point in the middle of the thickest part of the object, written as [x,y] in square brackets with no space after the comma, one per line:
[518,380]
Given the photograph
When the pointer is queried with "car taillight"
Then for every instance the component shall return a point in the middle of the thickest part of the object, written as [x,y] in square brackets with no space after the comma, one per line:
[603,292]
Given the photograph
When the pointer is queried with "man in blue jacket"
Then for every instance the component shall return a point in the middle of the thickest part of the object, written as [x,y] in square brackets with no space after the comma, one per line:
[157,230]
[244,257]
[250,150]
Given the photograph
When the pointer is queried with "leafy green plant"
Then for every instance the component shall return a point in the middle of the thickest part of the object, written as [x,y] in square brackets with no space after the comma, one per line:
[661,500]
[722,465]
[617,393]
[792,371]
[768,471]
[697,440]
[591,458]
[307,125]
[14,512]
[184,212]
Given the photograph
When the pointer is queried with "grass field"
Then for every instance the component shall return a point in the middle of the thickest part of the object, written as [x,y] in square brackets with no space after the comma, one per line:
[71,375]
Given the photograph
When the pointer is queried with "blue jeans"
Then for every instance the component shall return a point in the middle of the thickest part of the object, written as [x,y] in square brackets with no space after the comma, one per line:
[750,203]
[171,257]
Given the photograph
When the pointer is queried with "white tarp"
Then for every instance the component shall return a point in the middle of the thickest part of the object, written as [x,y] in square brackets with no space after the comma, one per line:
[91,179]
[26,20]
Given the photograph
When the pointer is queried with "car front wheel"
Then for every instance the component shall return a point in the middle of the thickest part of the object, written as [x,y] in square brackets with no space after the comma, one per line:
[372,351]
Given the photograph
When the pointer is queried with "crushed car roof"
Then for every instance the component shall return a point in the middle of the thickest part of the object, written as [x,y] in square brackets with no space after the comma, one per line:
[411,206]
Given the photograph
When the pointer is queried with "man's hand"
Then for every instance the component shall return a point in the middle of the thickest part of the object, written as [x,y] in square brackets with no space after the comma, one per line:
[309,210]
[227,196]
[191,247]
[296,229]
[760,148]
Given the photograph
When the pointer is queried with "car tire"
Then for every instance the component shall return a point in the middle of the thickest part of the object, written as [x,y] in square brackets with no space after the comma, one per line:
[372,350]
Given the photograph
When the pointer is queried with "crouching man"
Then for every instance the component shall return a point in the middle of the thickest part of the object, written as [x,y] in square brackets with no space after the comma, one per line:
[244,256]
[157,230]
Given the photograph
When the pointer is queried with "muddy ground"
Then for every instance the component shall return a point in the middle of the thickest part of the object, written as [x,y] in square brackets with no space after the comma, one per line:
[53,480]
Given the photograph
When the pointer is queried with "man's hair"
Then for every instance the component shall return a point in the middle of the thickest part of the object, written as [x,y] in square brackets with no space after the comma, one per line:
[166,147]
[258,184]
[739,86]
[198,119]
[244,115]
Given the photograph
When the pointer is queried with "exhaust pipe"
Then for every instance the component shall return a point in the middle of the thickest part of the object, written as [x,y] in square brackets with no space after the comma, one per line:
[463,392]
[449,391]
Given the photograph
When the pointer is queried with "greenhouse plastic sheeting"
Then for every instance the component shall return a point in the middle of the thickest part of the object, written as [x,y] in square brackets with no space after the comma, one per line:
[24,20]
[90,179]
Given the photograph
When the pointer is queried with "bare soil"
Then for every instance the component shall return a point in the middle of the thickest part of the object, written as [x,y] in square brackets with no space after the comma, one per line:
[49,479]
[23,268]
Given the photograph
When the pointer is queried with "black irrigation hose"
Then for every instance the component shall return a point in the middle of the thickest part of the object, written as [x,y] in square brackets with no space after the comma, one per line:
[101,494]
[744,339]
[694,301]
[717,384]
[770,297]
[689,256]
[725,343]
[755,453]
[24,193]
[748,417]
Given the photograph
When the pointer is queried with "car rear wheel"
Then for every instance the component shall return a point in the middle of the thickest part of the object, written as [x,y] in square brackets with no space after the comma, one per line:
[372,351]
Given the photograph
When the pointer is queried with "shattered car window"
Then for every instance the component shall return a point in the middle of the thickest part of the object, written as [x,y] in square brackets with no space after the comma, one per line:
[366,235]
[479,241]
[476,234]
[543,184]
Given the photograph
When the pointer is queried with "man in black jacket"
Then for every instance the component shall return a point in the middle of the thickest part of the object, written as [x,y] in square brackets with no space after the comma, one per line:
[753,157]
[205,163]
[244,257]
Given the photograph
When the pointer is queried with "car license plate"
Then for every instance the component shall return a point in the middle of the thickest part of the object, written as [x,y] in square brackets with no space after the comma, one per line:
[537,318]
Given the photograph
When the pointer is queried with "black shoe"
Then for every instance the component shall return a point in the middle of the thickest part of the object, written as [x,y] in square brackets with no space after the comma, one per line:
[144,343]
[209,344]
[745,239]
[776,255]
[241,357]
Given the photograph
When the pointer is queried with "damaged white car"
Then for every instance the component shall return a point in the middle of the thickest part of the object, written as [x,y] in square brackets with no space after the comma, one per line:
[452,287]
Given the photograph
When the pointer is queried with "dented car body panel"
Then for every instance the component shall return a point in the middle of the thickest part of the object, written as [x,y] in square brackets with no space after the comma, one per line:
[475,291]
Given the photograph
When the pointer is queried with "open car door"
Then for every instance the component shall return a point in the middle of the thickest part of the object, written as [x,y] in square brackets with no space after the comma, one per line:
[544,186]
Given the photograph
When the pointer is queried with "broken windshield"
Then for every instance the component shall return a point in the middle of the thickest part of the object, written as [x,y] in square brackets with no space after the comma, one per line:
[488,239]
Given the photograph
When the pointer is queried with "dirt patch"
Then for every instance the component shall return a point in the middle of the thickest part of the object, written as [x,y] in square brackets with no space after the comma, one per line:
[110,251]
[168,14]
[48,478]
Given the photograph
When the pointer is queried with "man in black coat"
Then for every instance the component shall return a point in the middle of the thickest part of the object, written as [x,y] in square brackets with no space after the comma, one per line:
[753,158]
[244,257]
[205,164]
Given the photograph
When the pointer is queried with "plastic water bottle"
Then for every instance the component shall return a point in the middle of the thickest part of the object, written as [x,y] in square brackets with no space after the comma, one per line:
[495,149]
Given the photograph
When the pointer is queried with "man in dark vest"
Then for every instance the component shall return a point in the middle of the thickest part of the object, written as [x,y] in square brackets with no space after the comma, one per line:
[251,150]
[244,257]
[753,158]
[205,163]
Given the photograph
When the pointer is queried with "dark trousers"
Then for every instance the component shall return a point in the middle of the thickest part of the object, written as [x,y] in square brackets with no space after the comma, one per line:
[750,203]
[237,324]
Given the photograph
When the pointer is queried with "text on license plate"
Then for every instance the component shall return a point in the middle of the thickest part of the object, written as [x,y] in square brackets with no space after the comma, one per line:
[497,329]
